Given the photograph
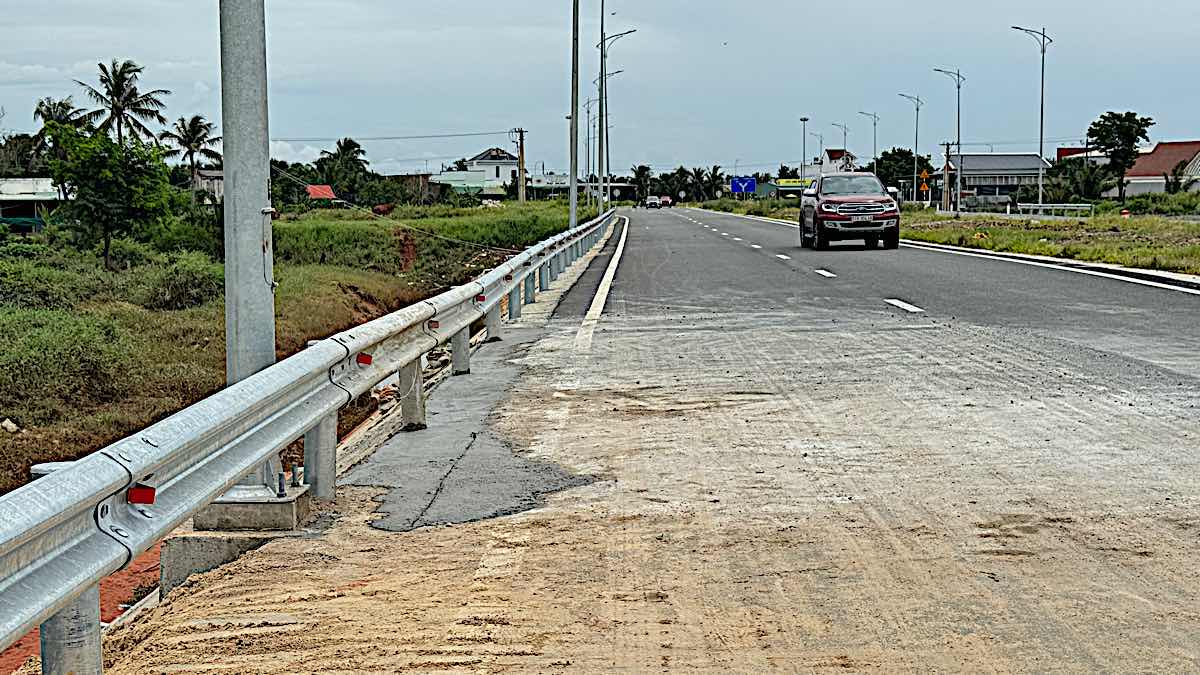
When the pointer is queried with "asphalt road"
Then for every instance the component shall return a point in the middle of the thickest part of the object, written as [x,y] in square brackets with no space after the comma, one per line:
[718,256]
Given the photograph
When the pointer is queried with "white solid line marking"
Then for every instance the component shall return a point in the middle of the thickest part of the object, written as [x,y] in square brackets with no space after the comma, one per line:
[826,273]
[1062,268]
[782,256]
[583,339]
[904,306]
[755,246]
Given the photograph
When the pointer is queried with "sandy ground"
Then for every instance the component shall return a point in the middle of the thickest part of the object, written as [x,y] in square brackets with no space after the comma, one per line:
[774,493]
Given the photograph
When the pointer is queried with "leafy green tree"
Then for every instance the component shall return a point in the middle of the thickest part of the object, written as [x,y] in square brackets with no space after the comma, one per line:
[786,171]
[117,189]
[1177,181]
[19,156]
[59,111]
[193,138]
[122,104]
[1117,135]
[896,166]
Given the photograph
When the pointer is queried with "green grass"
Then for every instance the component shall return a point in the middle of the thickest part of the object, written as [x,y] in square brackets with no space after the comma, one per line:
[1148,242]
[89,356]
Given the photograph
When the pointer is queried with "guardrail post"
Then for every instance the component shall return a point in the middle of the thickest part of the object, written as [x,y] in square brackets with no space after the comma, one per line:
[460,346]
[320,457]
[71,638]
[412,402]
[514,299]
[543,274]
[531,288]
[495,324]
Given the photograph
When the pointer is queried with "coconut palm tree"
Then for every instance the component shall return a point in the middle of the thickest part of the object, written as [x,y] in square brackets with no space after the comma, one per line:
[714,181]
[642,175]
[58,111]
[122,105]
[348,156]
[192,139]
[698,178]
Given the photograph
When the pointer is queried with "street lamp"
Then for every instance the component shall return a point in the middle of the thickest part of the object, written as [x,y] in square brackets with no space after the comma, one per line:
[874,140]
[821,138]
[804,147]
[917,102]
[1044,42]
[606,41]
[958,78]
[845,143]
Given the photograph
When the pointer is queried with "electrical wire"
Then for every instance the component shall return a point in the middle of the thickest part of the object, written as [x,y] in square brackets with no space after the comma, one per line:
[472,134]
[400,224]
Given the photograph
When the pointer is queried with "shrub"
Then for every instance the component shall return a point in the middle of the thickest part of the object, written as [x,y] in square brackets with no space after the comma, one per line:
[189,280]
[49,358]
[126,253]
[32,285]
[366,245]
[25,250]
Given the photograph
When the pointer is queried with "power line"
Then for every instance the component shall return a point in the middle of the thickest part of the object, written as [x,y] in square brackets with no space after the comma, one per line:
[393,138]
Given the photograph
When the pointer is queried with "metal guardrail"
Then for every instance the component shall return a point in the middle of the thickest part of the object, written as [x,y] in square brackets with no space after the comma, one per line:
[1053,209]
[62,533]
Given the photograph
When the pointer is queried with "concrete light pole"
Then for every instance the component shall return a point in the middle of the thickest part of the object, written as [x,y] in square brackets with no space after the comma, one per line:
[1044,41]
[804,146]
[917,102]
[602,123]
[574,115]
[958,78]
[249,271]
[874,140]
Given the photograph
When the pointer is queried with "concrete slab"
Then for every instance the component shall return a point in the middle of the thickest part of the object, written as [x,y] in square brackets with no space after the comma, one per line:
[283,513]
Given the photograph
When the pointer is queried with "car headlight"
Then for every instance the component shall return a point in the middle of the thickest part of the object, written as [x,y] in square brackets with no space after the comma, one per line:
[829,208]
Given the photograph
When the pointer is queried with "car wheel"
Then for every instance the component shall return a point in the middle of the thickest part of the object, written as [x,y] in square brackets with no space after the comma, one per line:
[820,238]
[805,240]
[891,240]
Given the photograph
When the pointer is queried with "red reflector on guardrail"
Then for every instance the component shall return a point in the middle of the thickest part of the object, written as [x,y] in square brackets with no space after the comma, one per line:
[434,325]
[364,359]
[480,298]
[140,494]
[508,277]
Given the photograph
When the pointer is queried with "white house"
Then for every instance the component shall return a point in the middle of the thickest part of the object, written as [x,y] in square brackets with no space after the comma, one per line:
[496,163]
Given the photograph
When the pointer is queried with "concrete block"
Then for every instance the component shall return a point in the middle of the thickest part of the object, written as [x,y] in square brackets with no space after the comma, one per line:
[259,513]
[188,552]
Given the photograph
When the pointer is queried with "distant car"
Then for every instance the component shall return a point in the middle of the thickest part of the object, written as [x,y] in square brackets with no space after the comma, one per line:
[666,202]
[843,206]
[653,203]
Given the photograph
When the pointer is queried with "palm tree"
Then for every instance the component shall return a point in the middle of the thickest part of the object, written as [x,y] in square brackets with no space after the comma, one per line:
[192,137]
[642,175]
[698,178]
[58,111]
[347,155]
[714,180]
[122,104]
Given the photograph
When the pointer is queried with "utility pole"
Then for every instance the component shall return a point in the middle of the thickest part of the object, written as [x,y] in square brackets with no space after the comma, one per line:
[803,146]
[945,177]
[588,161]
[821,138]
[958,78]
[249,271]
[574,115]
[874,140]
[520,164]
[916,101]
[1044,41]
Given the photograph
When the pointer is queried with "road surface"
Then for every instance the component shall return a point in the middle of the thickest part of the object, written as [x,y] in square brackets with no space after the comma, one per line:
[767,459]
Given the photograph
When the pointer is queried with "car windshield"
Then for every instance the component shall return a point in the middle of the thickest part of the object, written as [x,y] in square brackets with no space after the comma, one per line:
[851,185]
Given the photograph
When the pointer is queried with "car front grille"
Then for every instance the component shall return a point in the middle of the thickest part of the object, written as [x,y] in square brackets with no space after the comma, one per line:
[862,209]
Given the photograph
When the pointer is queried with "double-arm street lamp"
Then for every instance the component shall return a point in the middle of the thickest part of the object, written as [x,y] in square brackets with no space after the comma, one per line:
[874,140]
[1044,41]
[845,142]
[958,78]
[605,43]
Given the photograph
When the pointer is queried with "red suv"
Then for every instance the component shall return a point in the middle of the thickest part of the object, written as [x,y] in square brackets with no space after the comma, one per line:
[849,206]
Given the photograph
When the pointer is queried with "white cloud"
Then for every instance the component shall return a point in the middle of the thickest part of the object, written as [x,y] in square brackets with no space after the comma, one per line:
[291,154]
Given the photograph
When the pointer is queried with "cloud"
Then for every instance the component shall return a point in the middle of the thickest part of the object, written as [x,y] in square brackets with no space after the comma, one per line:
[291,154]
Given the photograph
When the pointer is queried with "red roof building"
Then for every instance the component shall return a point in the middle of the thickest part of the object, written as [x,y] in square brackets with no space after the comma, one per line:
[1165,157]
[321,192]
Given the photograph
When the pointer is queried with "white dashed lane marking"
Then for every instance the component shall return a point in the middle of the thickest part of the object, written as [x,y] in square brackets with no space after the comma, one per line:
[782,256]
[737,238]
[904,306]
[826,273]
[755,246]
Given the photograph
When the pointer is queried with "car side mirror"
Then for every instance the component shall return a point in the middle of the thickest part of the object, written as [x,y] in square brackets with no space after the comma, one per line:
[893,193]
[810,193]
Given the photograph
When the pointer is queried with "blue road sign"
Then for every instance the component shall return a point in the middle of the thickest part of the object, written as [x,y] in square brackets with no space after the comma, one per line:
[743,185]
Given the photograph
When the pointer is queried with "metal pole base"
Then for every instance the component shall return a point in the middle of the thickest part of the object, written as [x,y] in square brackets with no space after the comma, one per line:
[71,638]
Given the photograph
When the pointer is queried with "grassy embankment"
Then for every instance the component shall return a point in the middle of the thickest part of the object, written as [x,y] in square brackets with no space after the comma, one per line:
[88,356]
[1145,241]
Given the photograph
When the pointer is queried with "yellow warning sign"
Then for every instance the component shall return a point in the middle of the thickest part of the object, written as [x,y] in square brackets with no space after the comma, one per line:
[924,187]
[924,175]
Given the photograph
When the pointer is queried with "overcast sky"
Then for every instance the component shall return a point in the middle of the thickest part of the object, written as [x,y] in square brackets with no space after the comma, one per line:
[706,81]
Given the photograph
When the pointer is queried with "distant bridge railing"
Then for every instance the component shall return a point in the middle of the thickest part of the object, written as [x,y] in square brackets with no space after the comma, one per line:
[62,533]
[1057,209]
